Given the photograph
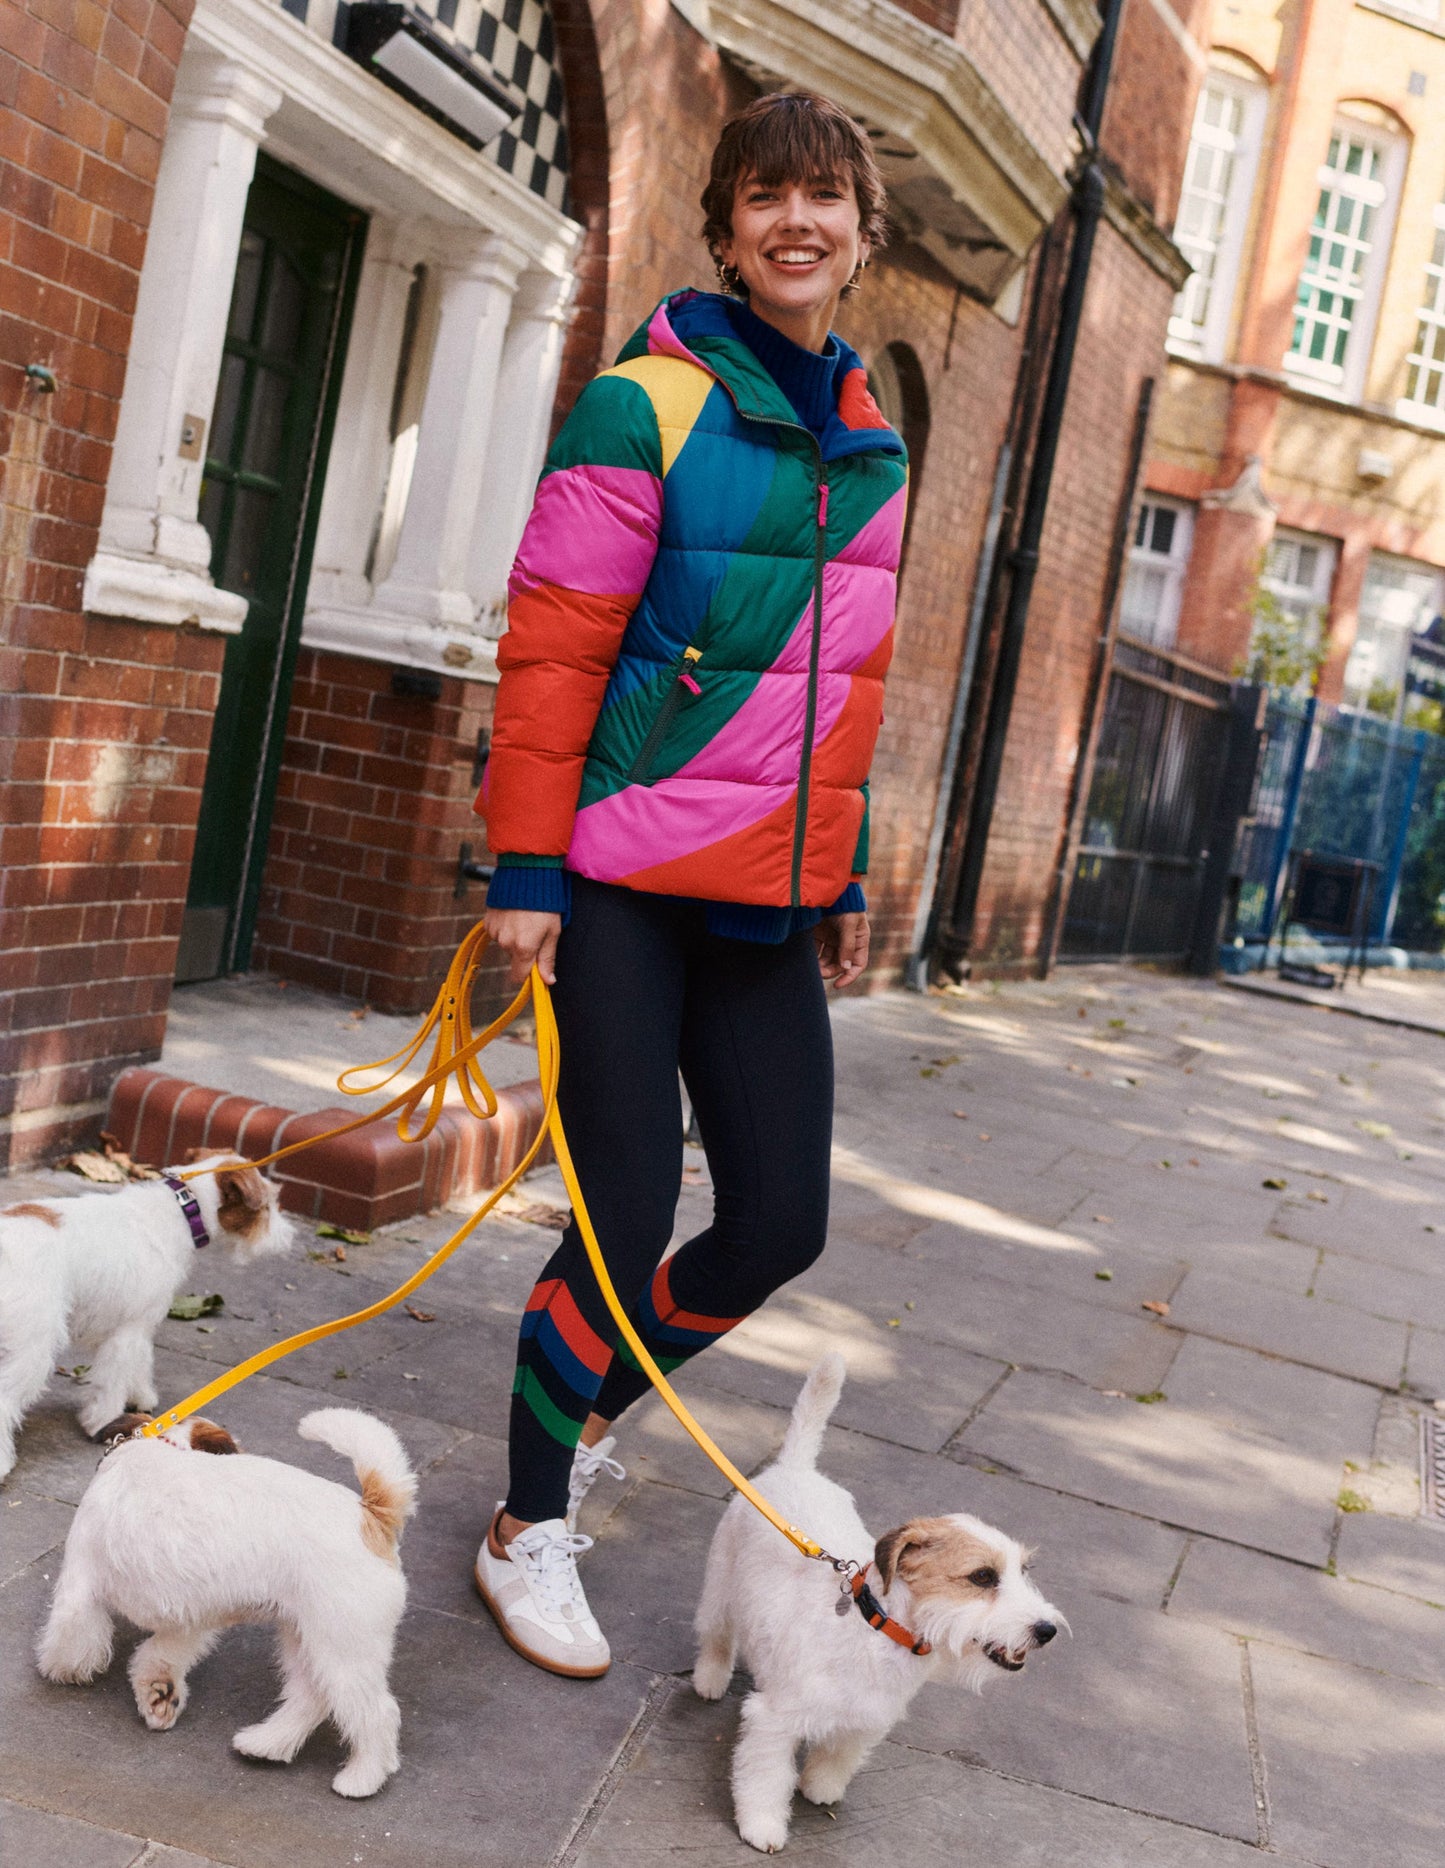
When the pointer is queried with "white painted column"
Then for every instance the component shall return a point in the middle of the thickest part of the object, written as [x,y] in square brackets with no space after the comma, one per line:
[429,577]
[517,445]
[356,465]
[154,556]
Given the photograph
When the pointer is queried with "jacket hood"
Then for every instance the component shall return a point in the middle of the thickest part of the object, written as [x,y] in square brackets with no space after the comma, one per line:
[703,328]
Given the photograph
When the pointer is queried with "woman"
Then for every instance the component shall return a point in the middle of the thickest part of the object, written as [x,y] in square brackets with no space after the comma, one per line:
[701,617]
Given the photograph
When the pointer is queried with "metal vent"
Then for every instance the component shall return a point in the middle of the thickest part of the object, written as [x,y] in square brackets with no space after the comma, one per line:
[1432,1469]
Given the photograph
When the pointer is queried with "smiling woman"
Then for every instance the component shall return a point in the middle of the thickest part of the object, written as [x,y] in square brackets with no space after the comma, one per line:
[701,617]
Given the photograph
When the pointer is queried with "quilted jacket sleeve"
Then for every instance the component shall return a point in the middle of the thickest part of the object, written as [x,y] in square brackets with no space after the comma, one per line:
[579,573]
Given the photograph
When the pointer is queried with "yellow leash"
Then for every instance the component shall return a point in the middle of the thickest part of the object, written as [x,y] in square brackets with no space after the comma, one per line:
[454,1054]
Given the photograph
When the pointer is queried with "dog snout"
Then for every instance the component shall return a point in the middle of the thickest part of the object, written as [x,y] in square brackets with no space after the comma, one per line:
[1044,1632]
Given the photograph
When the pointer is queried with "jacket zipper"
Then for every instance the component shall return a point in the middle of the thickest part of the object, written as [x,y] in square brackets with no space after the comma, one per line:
[682,683]
[810,722]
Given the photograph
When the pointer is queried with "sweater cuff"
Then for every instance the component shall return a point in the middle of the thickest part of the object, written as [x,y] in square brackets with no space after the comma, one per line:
[543,888]
[851,902]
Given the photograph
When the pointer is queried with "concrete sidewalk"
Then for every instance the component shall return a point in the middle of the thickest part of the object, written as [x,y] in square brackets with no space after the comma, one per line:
[1256,1663]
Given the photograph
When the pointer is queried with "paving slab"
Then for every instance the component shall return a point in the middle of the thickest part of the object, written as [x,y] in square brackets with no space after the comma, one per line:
[29,1526]
[1384,1290]
[1243,1447]
[1292,1606]
[29,1835]
[1352,1762]
[1425,1364]
[672,1805]
[1405,1554]
[1309,1330]
[1132,1710]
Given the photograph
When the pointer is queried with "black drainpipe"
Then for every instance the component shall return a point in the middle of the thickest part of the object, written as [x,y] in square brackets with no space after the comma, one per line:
[1087,204]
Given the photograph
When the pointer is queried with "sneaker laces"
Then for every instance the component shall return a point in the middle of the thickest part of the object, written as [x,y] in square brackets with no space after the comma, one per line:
[550,1564]
[586,1464]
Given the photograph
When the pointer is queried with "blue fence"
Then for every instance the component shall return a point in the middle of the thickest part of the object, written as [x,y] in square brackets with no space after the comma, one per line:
[1347,784]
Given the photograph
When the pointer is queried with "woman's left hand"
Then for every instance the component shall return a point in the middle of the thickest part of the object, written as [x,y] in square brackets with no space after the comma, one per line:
[842,943]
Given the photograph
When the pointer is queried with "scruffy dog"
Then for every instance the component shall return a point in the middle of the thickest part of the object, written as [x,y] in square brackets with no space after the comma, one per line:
[187,1546]
[101,1271]
[822,1676]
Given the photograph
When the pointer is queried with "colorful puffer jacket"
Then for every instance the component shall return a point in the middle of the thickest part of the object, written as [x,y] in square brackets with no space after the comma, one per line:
[701,617]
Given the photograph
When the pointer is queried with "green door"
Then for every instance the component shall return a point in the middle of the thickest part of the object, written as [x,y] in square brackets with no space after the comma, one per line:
[265,468]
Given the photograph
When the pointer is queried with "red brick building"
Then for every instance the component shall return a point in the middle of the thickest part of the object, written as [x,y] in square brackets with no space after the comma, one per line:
[282,337]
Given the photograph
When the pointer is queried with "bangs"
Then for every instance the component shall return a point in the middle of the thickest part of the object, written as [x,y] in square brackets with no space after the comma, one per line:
[793,146]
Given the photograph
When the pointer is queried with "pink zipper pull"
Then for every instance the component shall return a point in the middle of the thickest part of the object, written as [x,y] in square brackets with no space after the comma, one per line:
[822,504]
[688,682]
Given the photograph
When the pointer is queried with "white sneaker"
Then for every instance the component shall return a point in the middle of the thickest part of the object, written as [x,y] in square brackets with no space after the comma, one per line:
[536,1596]
[587,1462]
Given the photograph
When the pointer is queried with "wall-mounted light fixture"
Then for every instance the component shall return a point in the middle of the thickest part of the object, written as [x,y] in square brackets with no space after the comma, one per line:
[395,45]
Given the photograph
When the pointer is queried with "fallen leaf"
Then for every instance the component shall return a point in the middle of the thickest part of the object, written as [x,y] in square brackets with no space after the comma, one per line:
[1315,1194]
[1157,1305]
[962,1114]
[409,1378]
[339,1254]
[692,1177]
[1378,1129]
[928,1071]
[97,1167]
[910,1305]
[1104,1277]
[338,1375]
[1275,1183]
[538,1213]
[945,1063]
[1083,1011]
[1102,1219]
[353,1235]
[1114,1394]
[422,1316]
[895,1323]
[1154,1394]
[984,1136]
[191,1304]
[206,1329]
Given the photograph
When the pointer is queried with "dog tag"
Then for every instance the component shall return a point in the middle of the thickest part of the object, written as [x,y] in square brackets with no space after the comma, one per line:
[843,1604]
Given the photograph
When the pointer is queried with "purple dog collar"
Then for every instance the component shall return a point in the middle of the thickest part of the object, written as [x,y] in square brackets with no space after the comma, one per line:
[190,1206]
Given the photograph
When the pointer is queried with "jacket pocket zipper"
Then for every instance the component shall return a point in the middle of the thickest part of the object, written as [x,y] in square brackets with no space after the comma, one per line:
[683,683]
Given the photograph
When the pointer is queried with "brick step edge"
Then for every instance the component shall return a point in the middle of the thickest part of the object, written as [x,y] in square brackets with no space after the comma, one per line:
[366,1179]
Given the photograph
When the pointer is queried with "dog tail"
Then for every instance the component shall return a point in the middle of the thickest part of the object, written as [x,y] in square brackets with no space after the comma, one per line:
[811,1412]
[388,1484]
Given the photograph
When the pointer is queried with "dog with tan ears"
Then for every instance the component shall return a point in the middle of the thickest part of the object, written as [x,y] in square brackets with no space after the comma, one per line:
[946,1598]
[186,1546]
[101,1271]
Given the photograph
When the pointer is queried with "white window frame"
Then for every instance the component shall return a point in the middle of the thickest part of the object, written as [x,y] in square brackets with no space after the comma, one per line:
[1356,688]
[1309,595]
[1431,317]
[1347,379]
[1209,339]
[1173,564]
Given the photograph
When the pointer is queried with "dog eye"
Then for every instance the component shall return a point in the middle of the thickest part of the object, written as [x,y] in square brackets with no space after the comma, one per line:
[984,1579]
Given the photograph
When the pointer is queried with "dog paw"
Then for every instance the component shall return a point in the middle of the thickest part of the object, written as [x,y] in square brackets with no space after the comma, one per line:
[265,1741]
[820,1787]
[360,1779]
[765,1834]
[161,1700]
[710,1679]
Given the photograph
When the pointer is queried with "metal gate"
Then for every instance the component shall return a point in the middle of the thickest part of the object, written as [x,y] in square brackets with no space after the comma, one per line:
[1137,876]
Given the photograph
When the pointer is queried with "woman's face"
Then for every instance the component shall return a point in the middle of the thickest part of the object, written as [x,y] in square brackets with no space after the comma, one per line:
[796,246]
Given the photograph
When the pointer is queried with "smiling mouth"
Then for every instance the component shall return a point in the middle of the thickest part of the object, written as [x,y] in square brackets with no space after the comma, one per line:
[1002,1658]
[795,256]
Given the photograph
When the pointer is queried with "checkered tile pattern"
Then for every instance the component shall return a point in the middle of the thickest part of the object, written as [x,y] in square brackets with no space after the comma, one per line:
[514,39]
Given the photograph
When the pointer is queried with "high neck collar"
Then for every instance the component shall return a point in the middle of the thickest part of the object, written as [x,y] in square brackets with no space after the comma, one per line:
[808,378]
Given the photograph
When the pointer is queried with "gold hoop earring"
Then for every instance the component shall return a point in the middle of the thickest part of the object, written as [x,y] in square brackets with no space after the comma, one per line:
[729,278]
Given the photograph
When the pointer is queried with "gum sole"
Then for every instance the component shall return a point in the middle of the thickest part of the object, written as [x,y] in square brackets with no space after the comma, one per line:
[547,1666]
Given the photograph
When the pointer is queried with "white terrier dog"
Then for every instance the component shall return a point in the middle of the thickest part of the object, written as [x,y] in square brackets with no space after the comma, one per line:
[101,1271]
[187,1546]
[959,1604]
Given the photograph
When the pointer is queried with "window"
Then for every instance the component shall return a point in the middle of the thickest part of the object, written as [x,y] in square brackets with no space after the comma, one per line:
[1340,282]
[896,383]
[1149,610]
[1424,397]
[1213,209]
[1298,570]
[1400,601]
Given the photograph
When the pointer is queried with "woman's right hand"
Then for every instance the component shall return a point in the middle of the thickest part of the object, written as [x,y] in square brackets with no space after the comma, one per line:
[525,937]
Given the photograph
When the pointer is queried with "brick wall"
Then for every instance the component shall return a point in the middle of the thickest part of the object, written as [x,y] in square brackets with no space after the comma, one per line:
[373,806]
[968,358]
[1115,353]
[103,726]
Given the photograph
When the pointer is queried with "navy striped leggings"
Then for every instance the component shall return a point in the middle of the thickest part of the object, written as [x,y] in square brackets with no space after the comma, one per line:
[643,989]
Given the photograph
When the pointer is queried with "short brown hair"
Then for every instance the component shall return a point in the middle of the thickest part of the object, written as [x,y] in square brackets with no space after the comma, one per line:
[792,136]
